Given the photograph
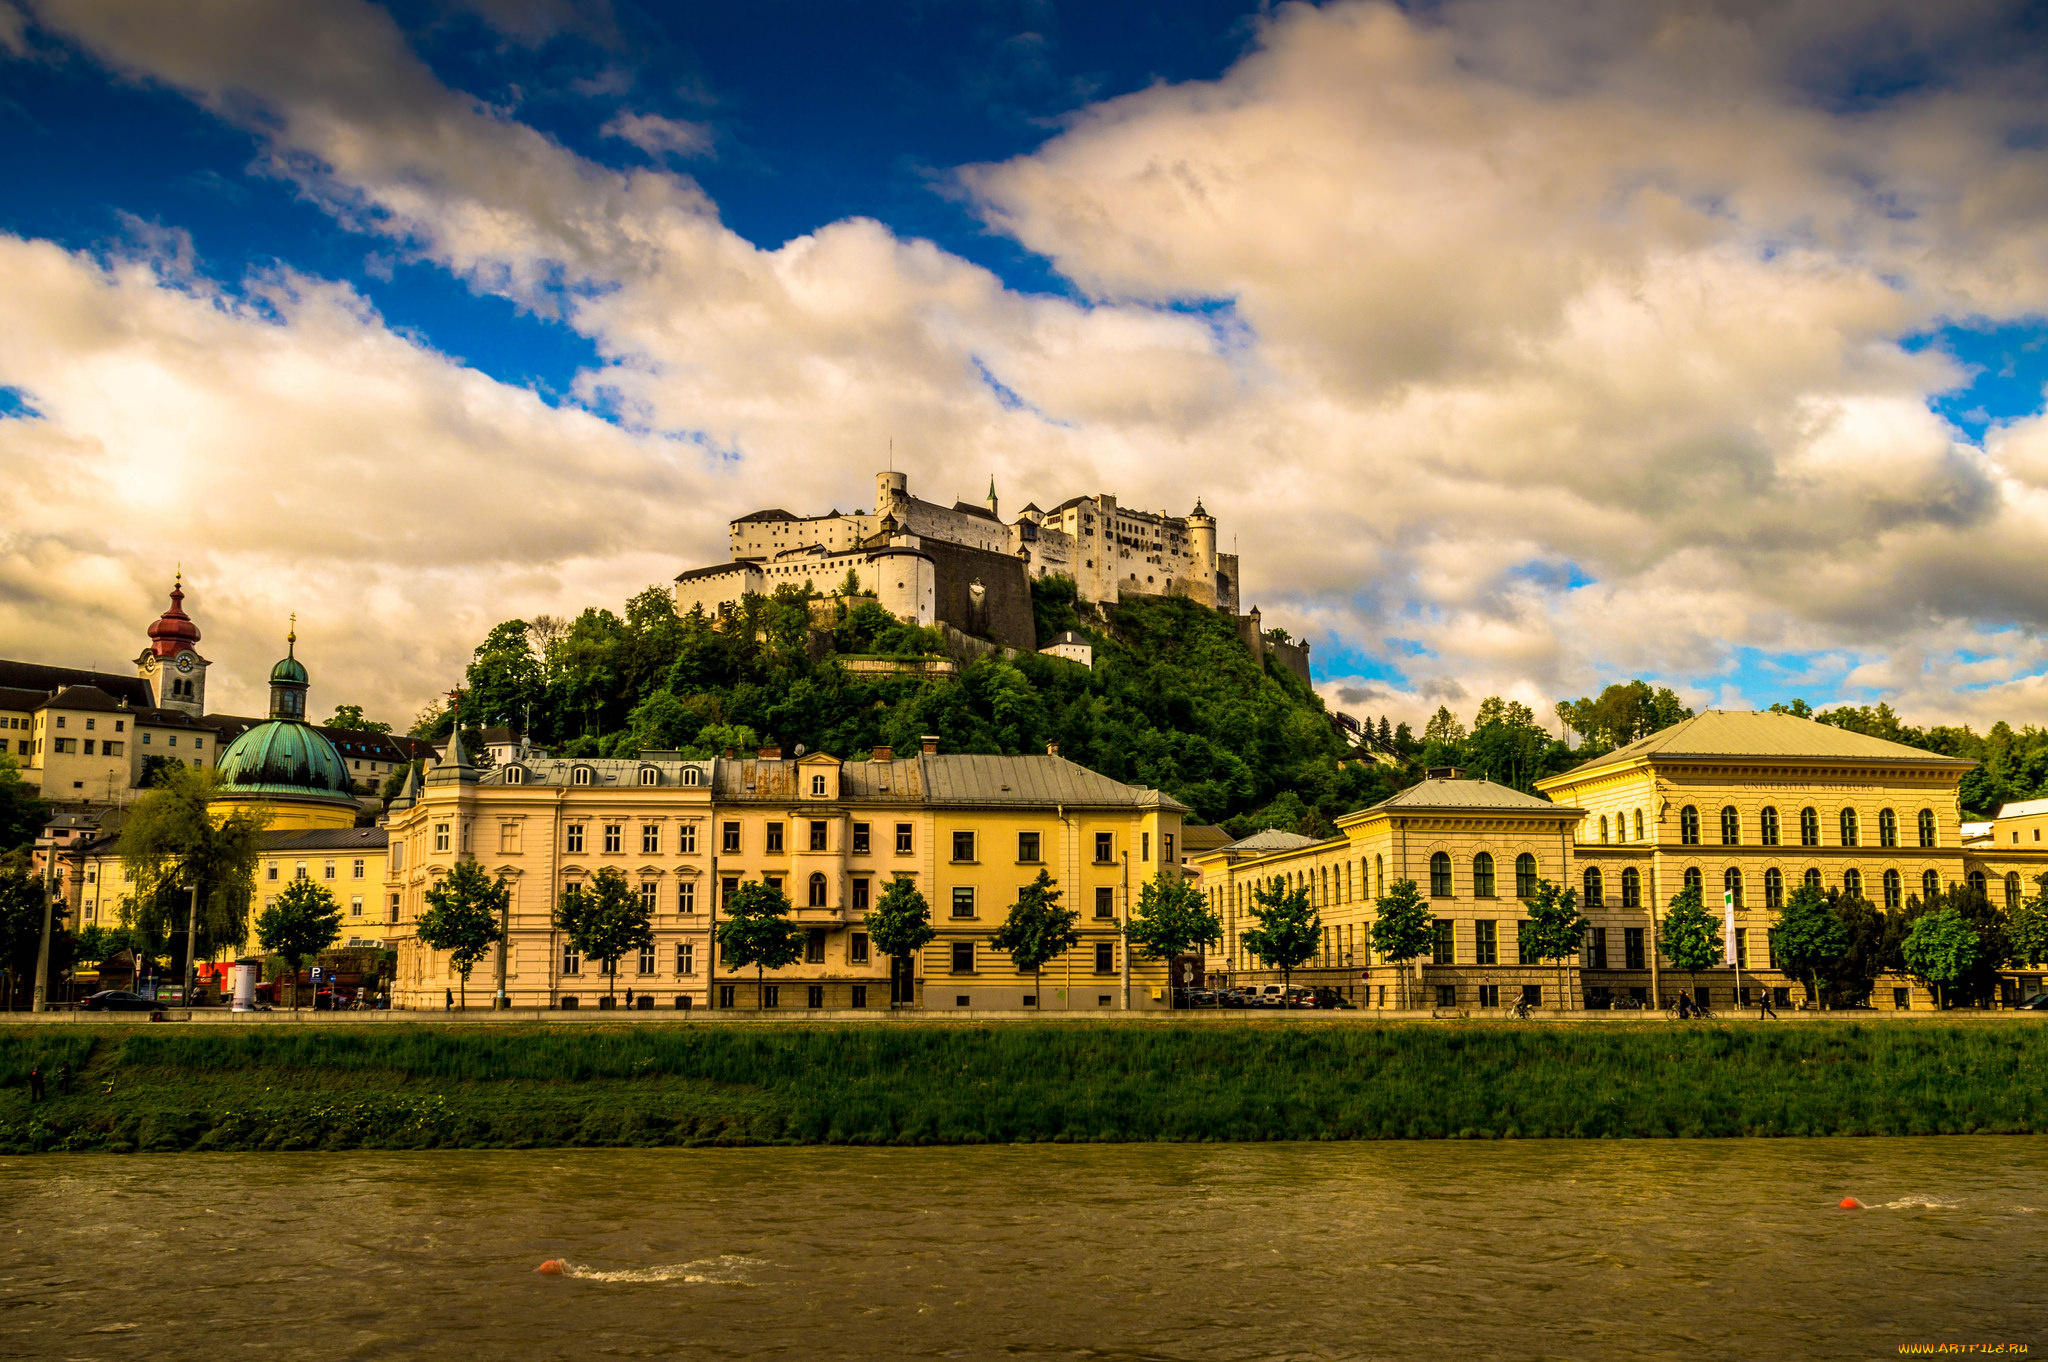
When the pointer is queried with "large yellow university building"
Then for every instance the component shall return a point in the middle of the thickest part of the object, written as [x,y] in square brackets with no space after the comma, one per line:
[968,831]
[1746,804]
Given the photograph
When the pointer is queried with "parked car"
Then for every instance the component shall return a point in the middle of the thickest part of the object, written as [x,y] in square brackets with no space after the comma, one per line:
[1330,998]
[2037,1003]
[118,1000]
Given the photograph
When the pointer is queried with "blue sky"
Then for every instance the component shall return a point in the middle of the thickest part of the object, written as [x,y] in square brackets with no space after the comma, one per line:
[1578,361]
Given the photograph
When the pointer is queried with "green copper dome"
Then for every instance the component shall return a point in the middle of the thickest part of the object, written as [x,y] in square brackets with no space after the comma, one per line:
[290,671]
[281,759]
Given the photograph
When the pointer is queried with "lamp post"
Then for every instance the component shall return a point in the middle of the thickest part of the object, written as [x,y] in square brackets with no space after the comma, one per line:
[501,1002]
[40,1001]
[191,938]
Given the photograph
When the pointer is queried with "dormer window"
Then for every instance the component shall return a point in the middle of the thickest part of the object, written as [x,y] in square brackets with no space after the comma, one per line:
[580,776]
[650,776]
[515,775]
[818,786]
[693,776]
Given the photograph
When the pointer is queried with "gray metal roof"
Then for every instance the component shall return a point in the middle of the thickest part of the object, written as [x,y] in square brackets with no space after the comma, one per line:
[326,839]
[941,779]
[1467,794]
[1760,733]
[612,772]
[1272,839]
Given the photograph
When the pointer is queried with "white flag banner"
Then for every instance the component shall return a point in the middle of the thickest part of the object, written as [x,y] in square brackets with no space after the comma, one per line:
[1728,925]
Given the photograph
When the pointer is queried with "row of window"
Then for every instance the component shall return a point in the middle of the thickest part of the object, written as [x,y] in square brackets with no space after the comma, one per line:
[1848,825]
[357,870]
[584,775]
[1440,886]
[611,839]
[1891,886]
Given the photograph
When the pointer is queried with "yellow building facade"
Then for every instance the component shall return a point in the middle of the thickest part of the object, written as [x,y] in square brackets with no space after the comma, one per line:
[968,831]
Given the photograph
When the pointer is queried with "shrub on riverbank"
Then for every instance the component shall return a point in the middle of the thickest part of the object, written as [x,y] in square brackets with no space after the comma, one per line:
[426,1086]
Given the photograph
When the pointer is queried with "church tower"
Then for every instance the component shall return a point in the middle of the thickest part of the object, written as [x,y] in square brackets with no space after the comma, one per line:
[171,664]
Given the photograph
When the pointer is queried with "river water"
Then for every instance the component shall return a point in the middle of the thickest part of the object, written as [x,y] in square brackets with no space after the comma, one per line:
[1709,1249]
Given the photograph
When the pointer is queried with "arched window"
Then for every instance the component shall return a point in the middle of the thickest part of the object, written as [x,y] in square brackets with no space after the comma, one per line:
[1887,828]
[1894,891]
[515,775]
[1482,876]
[1440,875]
[1689,826]
[1774,889]
[580,776]
[1731,826]
[1379,876]
[817,784]
[1731,883]
[692,776]
[1852,882]
[1809,828]
[1849,828]
[1631,889]
[1692,878]
[2012,889]
[1594,898]
[1603,829]
[817,890]
[1767,827]
[1812,877]
[1639,825]
[1976,881]
[1930,886]
[1926,827]
[650,775]
[1525,876]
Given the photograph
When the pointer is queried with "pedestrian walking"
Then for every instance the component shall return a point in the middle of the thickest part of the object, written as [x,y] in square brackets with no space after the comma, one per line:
[35,1083]
[629,999]
[449,1006]
[1763,1005]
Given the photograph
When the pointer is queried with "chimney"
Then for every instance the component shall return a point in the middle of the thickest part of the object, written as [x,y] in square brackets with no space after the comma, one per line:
[728,754]
[771,754]
[883,754]
[1052,749]
[929,744]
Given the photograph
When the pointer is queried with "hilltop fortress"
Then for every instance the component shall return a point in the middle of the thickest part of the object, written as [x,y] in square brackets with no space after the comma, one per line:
[963,565]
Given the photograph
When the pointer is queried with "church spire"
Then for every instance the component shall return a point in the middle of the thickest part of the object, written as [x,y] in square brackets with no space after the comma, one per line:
[454,767]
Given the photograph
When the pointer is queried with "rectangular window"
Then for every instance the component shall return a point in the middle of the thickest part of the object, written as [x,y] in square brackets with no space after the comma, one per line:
[575,838]
[774,837]
[1489,995]
[860,839]
[614,837]
[1105,957]
[1440,947]
[355,906]
[727,887]
[1742,947]
[963,957]
[860,894]
[818,835]
[650,839]
[857,948]
[771,995]
[686,839]
[1105,847]
[963,846]
[1027,847]
[91,724]
[1144,846]
[1486,943]
[299,870]
[111,749]
[650,896]
[270,871]
[572,963]
[773,882]
[1105,902]
[1446,995]
[860,996]
[732,837]
[327,870]
[1166,849]
[1902,999]
[903,839]
[646,961]
[355,870]
[1632,947]
[686,897]
[686,957]
[1525,945]
[1596,948]
[394,907]
[508,838]
[440,836]
[725,995]
[814,995]
[963,901]
[814,946]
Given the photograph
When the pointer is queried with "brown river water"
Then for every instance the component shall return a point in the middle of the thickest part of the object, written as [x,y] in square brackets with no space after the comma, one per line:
[1667,1249]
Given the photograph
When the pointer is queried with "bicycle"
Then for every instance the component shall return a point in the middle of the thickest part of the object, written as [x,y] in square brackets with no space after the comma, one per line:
[1521,1011]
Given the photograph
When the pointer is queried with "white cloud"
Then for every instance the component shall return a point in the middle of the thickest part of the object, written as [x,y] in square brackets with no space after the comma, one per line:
[660,137]
[1518,295]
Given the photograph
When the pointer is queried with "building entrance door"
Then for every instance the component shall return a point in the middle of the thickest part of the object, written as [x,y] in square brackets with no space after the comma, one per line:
[902,981]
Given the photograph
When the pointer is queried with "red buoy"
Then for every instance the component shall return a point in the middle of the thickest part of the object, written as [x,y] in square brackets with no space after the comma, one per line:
[1849,1203]
[551,1268]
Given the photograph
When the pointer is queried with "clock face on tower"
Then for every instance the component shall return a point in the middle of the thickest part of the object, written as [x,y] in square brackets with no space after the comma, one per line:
[149,665]
[184,662]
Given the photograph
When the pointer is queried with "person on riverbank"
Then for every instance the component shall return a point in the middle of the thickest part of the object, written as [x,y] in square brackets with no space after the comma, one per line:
[1763,1005]
[449,1004]
[35,1083]
[629,999]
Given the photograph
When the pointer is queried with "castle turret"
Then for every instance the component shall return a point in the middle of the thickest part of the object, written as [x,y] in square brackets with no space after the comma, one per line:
[891,490]
[171,663]
[1202,539]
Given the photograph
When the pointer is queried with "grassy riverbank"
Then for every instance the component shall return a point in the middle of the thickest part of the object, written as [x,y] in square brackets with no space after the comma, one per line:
[427,1086]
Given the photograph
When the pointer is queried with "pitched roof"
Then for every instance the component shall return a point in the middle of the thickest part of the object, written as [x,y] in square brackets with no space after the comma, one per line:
[716,570]
[756,517]
[1464,794]
[1067,636]
[1196,838]
[326,839]
[984,512]
[1754,733]
[34,676]
[1271,839]
[971,779]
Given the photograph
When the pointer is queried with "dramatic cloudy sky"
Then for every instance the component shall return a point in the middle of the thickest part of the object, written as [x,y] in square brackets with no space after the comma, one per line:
[1518,345]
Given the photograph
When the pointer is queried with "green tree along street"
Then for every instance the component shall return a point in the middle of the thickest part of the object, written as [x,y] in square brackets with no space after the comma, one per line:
[757,931]
[1556,928]
[1173,917]
[301,922]
[464,916]
[900,925]
[22,811]
[170,844]
[605,919]
[1942,948]
[1289,932]
[2027,926]
[351,717]
[21,931]
[1690,936]
[1808,939]
[1037,931]
[1401,929]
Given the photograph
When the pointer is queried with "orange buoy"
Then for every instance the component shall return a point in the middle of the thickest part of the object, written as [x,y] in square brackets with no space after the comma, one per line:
[1849,1203]
[551,1268]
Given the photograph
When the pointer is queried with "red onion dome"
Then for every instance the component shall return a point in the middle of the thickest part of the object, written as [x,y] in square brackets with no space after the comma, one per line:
[174,632]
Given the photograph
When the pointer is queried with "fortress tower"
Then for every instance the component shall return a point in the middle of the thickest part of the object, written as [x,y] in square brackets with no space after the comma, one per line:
[171,664]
